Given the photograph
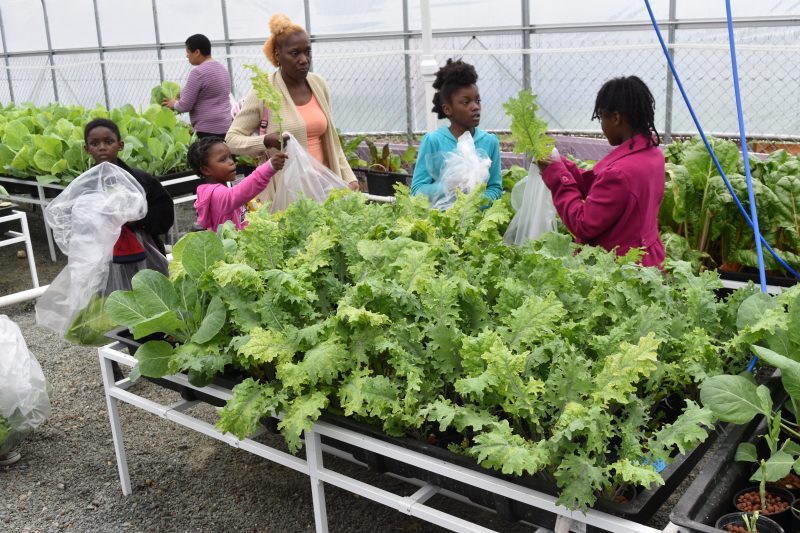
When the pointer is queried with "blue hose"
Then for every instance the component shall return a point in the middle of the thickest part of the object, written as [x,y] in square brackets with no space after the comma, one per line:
[750,195]
[759,237]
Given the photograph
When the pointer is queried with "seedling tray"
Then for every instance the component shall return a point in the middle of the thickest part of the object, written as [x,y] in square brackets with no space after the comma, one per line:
[640,508]
[229,379]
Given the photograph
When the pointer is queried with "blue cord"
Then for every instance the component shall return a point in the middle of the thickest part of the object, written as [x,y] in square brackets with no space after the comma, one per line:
[708,145]
[743,137]
[750,195]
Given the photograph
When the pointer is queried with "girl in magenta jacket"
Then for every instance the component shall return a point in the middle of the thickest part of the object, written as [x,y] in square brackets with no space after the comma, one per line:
[615,205]
[217,203]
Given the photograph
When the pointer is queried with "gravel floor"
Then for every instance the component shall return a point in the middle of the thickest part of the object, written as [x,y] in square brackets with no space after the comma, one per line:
[182,481]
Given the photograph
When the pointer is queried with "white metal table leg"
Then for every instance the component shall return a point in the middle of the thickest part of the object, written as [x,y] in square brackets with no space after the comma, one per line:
[47,230]
[29,250]
[116,428]
[314,459]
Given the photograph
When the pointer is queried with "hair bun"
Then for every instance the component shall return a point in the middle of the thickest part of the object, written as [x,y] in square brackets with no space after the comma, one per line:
[279,23]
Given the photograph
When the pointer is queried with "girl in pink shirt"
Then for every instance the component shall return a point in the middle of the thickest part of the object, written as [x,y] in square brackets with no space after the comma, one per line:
[615,205]
[216,202]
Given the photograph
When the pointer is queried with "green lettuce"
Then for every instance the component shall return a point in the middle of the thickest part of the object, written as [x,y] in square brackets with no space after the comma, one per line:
[168,90]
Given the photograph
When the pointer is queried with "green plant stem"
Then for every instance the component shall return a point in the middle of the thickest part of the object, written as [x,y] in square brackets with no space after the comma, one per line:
[704,235]
[790,431]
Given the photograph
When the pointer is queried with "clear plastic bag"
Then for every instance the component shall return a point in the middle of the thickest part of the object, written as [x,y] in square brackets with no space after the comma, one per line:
[463,170]
[303,176]
[86,219]
[536,213]
[24,401]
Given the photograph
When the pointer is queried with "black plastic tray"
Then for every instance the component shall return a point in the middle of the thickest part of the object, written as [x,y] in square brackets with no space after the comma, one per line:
[711,493]
[229,379]
[183,188]
[640,509]
[778,281]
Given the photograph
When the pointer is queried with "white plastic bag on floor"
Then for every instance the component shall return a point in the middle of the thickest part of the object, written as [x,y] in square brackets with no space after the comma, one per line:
[303,176]
[86,219]
[533,203]
[463,170]
[24,403]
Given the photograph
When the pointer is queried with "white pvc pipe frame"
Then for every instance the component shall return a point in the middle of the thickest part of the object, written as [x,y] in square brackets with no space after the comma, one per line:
[313,466]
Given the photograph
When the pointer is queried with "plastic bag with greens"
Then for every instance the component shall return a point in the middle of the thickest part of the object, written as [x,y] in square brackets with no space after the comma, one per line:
[86,219]
[24,402]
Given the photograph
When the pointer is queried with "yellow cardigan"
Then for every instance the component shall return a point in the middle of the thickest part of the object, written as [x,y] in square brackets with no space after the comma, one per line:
[242,142]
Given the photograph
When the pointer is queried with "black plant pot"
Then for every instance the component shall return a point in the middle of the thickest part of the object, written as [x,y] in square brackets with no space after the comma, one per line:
[764,524]
[782,518]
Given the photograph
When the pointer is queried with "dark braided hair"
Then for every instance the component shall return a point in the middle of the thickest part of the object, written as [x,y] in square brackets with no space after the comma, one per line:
[199,150]
[101,123]
[452,76]
[630,97]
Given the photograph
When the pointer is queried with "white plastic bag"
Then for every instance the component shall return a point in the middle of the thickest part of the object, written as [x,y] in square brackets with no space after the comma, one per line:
[24,403]
[463,170]
[533,203]
[303,176]
[86,219]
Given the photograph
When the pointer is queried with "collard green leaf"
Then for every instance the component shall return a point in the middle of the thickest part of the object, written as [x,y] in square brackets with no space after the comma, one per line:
[154,358]
[731,398]
[746,451]
[200,252]
[212,322]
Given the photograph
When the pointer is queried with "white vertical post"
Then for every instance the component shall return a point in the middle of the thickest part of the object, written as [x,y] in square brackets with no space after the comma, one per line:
[47,231]
[428,65]
[116,428]
[29,249]
[314,460]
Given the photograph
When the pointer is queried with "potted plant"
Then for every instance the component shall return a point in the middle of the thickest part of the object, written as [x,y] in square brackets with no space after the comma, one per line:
[747,523]
[384,168]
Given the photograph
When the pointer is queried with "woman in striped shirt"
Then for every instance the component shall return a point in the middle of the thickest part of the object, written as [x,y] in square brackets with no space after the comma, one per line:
[206,93]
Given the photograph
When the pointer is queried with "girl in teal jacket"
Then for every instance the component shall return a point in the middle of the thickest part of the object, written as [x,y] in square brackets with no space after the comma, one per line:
[457,99]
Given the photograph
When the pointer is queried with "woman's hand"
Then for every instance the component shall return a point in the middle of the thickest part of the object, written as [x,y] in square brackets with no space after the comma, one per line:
[169,102]
[353,185]
[273,140]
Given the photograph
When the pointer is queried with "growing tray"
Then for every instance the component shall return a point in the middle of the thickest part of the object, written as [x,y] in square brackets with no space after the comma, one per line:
[229,379]
[711,493]
[183,188]
[640,508]
[778,281]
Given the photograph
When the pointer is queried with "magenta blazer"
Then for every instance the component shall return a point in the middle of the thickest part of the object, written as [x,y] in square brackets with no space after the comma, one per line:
[615,205]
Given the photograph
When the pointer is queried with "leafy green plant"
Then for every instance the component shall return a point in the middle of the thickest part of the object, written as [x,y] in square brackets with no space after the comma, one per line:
[546,359]
[5,429]
[350,149]
[387,161]
[698,208]
[46,143]
[269,94]
[738,399]
[751,521]
[527,128]
[168,90]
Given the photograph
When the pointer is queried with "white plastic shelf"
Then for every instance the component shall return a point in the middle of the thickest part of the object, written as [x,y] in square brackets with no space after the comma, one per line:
[314,467]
